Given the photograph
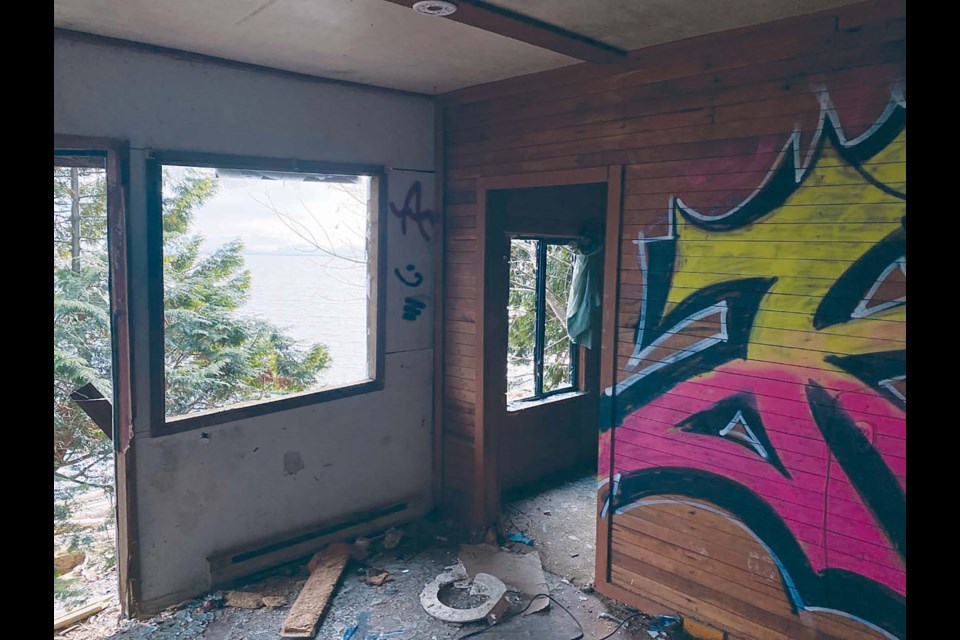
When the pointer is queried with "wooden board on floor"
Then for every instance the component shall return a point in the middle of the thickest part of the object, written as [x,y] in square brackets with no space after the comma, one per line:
[326,569]
[81,614]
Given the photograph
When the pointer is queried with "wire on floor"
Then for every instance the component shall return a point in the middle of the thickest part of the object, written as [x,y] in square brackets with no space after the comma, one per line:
[580,632]
[622,622]
[579,636]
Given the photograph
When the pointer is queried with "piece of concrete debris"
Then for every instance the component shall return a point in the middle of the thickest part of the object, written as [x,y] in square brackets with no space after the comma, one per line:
[244,600]
[392,538]
[360,549]
[326,568]
[377,578]
[483,585]
[79,615]
[274,602]
[67,561]
[523,572]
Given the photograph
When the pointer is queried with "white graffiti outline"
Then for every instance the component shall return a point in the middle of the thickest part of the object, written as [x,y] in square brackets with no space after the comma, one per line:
[680,354]
[749,437]
[862,310]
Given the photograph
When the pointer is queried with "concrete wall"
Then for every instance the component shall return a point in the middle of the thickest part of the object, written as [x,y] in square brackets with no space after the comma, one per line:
[197,496]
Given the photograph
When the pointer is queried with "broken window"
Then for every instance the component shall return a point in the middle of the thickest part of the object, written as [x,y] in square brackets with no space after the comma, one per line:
[541,360]
[269,285]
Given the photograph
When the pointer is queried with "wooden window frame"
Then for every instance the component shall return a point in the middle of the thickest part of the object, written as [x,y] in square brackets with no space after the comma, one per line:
[574,384]
[160,423]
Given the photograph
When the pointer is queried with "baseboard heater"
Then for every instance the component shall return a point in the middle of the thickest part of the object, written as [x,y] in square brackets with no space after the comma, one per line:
[227,567]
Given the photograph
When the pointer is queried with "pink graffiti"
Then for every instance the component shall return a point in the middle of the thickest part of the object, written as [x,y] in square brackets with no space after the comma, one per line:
[818,503]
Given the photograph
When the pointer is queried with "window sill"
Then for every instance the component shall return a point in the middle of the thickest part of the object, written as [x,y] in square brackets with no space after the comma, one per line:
[253,409]
[520,405]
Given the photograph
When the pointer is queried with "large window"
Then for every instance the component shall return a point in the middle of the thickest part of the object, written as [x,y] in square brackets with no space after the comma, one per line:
[269,286]
[541,360]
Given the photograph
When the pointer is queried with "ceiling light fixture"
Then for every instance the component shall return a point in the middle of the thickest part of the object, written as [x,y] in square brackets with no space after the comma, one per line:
[434,7]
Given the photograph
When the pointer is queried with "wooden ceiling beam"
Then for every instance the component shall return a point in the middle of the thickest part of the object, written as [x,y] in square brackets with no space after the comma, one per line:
[511,24]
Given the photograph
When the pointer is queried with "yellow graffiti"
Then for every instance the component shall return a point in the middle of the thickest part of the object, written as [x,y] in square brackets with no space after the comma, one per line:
[828,223]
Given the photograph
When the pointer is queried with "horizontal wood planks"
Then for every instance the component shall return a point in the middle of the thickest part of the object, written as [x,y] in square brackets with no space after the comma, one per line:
[693,560]
[802,122]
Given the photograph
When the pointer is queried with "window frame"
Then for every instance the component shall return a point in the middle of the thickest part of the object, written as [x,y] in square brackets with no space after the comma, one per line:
[540,322]
[161,424]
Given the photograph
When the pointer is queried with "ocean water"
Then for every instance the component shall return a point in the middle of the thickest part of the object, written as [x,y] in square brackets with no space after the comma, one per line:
[317,299]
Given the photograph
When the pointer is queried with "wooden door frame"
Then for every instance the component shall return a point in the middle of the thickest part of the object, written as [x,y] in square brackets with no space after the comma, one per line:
[117,154]
[486,482]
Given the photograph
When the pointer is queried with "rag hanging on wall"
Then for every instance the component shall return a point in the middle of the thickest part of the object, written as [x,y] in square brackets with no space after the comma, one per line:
[584,290]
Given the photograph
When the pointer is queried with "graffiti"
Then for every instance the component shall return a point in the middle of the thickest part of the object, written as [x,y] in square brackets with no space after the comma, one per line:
[767,376]
[412,307]
[414,213]
[417,276]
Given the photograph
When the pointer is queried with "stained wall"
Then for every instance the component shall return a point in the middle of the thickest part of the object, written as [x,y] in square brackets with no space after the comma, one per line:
[225,486]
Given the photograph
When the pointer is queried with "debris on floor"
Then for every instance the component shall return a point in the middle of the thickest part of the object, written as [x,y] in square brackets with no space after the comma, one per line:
[660,624]
[572,509]
[485,593]
[392,538]
[210,602]
[376,577]
[520,537]
[360,610]
[360,549]
[523,572]
[326,568]
[67,561]
[244,600]
[80,615]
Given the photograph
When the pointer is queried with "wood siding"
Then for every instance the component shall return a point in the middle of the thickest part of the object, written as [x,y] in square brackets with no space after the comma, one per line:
[758,322]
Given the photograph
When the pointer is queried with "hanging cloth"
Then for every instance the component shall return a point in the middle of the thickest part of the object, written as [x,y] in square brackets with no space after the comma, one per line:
[584,291]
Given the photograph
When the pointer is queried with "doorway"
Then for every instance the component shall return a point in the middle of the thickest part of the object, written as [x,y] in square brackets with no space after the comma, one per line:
[542,315]
[92,427]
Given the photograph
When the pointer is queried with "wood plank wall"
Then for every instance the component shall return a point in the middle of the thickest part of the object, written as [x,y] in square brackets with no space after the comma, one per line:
[765,170]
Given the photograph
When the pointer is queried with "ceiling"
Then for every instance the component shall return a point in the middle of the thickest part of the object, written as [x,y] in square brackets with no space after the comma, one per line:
[634,24]
[384,44]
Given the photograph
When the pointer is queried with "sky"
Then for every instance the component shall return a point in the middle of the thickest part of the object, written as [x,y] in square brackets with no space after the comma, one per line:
[245,207]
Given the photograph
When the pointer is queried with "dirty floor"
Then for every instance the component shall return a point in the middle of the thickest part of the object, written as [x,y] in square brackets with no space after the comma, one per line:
[559,521]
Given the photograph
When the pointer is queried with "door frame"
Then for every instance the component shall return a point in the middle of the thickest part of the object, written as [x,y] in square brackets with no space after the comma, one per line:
[485,508]
[117,153]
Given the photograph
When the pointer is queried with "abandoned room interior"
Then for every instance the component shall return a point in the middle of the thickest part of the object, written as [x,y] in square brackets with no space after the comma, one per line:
[553,319]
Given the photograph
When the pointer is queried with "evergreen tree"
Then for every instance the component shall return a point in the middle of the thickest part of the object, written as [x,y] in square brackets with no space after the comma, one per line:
[521,311]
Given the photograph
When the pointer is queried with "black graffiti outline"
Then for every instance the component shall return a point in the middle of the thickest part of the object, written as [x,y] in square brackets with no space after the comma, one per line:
[868,472]
[417,276]
[710,422]
[415,214]
[876,369]
[834,589]
[742,298]
[841,301]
